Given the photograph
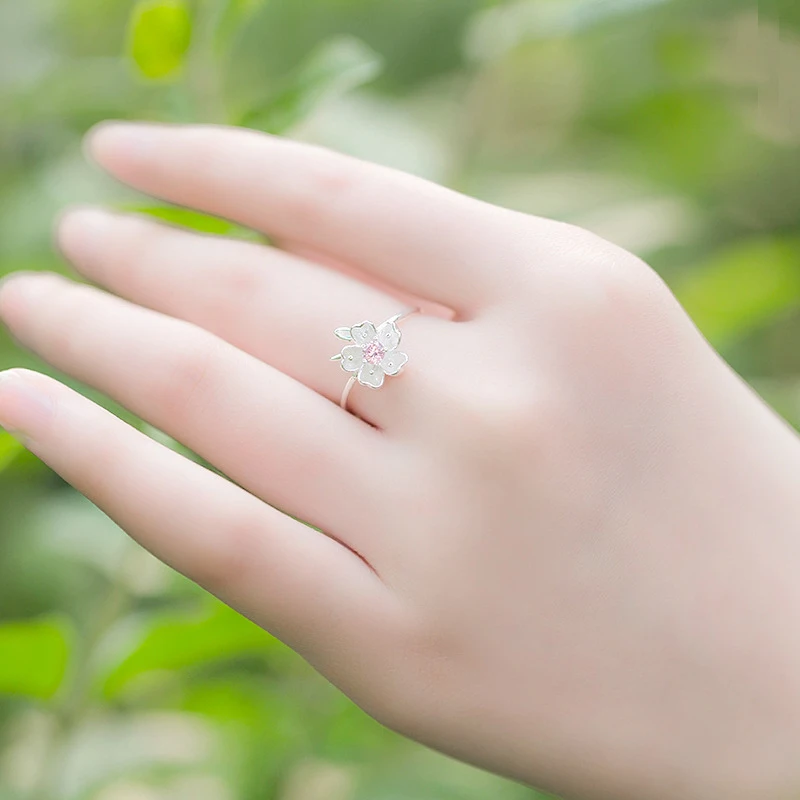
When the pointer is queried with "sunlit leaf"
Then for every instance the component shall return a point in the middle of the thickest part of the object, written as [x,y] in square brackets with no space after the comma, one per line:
[203,223]
[339,66]
[9,449]
[177,642]
[742,288]
[33,657]
[159,35]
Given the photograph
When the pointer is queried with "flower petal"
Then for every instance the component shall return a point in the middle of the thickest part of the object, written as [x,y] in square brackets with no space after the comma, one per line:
[389,335]
[363,333]
[352,358]
[371,375]
[393,362]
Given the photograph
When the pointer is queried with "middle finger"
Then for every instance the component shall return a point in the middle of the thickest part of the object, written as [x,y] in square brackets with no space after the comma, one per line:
[266,431]
[280,308]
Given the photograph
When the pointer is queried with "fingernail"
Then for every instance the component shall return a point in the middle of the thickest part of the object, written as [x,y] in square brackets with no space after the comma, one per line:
[25,410]
[128,140]
[80,231]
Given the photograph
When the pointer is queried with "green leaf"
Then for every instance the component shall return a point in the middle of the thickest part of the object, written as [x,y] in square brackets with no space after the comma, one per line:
[159,35]
[339,66]
[34,657]
[10,448]
[203,223]
[179,642]
[742,288]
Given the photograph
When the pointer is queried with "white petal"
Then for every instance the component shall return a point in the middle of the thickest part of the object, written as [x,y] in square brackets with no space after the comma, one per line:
[352,358]
[393,362]
[389,335]
[371,375]
[363,333]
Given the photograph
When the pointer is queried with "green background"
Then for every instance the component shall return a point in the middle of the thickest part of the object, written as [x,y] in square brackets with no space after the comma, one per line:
[671,128]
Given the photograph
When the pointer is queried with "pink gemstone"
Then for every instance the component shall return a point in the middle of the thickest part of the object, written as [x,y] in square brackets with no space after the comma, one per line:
[374,352]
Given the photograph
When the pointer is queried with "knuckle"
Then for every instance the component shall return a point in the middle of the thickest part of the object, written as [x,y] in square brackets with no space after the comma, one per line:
[147,245]
[606,284]
[245,276]
[430,653]
[241,280]
[492,417]
[69,323]
[622,301]
[327,185]
[230,556]
[495,419]
[97,464]
[187,373]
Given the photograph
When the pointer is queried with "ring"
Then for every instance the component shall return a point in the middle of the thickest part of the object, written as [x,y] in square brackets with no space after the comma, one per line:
[372,353]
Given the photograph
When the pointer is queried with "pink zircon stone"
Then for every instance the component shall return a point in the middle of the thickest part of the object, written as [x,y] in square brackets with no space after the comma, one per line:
[374,352]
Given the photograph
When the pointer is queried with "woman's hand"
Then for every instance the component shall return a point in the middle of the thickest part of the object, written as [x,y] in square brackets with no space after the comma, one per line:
[563,544]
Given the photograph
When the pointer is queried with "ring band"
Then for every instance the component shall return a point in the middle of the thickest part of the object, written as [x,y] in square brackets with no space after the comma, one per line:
[371,353]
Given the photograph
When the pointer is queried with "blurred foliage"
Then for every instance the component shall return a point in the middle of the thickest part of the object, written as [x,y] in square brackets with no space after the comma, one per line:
[160,34]
[668,126]
[39,650]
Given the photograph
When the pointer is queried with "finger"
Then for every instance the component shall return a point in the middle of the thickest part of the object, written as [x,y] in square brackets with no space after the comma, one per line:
[420,237]
[277,307]
[303,586]
[267,432]
[404,298]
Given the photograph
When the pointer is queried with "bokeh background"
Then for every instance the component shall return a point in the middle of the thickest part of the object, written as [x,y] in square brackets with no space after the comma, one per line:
[670,127]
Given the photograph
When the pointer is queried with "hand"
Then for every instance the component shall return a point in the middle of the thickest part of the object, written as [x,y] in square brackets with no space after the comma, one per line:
[562,545]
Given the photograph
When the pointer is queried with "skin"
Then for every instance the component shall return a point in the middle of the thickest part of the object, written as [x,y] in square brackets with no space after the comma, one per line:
[561,545]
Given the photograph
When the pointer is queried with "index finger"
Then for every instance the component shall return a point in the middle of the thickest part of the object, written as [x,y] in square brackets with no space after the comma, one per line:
[420,237]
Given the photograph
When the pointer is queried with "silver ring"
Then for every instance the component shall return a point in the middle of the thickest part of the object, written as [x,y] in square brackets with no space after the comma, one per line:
[372,353]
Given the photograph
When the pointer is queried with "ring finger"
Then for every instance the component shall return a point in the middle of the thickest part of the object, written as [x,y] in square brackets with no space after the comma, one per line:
[279,308]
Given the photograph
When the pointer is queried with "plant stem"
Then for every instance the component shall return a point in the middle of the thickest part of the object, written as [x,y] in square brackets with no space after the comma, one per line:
[76,700]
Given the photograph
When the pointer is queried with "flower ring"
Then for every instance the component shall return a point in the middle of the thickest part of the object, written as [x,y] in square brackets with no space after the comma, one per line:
[373,353]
